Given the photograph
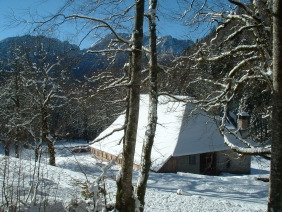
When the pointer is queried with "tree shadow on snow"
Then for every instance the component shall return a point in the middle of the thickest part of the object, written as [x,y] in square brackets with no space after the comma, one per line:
[242,188]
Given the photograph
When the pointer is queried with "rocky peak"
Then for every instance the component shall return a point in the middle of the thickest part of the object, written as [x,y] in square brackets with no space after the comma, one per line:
[165,45]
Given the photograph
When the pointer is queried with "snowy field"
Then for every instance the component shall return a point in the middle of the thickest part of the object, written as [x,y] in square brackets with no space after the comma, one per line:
[198,192]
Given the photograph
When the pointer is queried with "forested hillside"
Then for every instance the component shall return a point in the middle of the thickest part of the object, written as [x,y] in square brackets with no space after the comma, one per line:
[36,70]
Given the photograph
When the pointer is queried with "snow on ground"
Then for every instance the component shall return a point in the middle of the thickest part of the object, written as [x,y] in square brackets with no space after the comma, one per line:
[199,192]
[209,193]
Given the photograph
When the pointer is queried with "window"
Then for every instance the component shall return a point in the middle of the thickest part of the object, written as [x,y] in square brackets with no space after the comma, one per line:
[192,159]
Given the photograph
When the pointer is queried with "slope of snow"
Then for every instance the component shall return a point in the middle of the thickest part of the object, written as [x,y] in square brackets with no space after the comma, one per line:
[236,193]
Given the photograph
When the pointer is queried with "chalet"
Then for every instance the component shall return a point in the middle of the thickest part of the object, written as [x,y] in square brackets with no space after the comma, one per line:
[183,143]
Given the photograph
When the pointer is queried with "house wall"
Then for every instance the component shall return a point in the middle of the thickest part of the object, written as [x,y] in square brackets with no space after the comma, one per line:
[229,161]
[208,163]
[105,156]
[226,161]
[182,164]
[186,164]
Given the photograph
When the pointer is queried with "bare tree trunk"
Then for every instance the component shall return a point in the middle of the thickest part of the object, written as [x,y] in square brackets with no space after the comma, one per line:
[17,102]
[127,94]
[124,196]
[152,112]
[6,148]
[275,185]
[17,149]
[44,136]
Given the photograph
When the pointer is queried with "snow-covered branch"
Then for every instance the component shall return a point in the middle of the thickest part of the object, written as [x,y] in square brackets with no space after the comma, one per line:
[232,67]
[107,135]
[245,150]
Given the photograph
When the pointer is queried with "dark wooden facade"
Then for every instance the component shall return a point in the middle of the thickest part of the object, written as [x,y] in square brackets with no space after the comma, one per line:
[211,163]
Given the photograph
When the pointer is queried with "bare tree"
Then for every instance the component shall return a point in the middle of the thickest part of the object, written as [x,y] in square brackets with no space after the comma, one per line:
[124,198]
[251,50]
[145,164]
[275,185]
[242,44]
[112,22]
[46,91]
[15,100]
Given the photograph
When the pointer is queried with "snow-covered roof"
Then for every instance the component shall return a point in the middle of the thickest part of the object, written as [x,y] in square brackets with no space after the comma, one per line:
[176,133]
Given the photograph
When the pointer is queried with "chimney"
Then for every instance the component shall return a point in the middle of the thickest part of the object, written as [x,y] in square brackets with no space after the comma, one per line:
[243,124]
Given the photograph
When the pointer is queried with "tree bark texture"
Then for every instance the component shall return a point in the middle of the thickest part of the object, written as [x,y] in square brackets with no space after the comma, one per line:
[17,103]
[17,149]
[6,148]
[125,201]
[152,112]
[44,136]
[275,185]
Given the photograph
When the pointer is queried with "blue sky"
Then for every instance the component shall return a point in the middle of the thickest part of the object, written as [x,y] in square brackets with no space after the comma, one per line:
[44,7]
[21,8]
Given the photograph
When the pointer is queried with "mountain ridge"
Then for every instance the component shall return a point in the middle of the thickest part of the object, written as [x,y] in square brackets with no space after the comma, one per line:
[165,44]
[87,64]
